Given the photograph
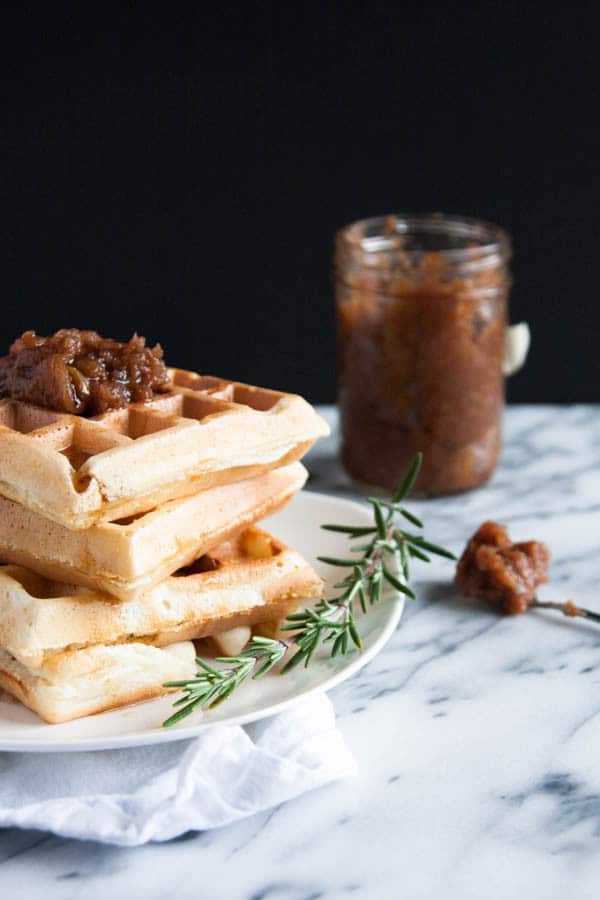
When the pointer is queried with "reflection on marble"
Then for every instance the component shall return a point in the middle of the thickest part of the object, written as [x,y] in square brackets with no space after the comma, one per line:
[476,735]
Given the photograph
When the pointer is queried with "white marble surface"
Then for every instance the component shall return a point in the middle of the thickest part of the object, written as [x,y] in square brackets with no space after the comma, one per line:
[477,736]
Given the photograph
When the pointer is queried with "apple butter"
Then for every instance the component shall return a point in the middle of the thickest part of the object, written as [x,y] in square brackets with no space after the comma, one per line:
[493,568]
[82,373]
[422,312]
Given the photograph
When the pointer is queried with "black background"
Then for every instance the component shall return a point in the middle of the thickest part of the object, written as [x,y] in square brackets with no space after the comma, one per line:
[183,175]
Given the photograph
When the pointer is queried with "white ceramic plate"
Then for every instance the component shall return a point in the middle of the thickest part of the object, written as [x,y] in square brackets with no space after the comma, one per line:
[297,525]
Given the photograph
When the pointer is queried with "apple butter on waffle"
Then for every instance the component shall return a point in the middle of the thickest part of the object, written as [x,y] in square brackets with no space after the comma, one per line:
[82,373]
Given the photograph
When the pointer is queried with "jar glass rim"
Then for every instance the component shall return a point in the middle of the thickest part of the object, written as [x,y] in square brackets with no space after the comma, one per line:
[381,234]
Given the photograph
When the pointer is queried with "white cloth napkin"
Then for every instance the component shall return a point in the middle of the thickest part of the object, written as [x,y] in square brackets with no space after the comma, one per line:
[128,797]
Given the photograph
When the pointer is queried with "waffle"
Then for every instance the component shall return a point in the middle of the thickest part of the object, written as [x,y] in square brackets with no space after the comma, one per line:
[250,580]
[83,682]
[128,557]
[204,432]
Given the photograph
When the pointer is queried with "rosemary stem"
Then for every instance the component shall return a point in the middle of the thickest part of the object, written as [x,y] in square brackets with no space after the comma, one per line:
[376,556]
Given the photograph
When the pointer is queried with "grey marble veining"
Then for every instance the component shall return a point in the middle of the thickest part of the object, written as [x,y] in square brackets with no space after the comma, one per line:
[476,735]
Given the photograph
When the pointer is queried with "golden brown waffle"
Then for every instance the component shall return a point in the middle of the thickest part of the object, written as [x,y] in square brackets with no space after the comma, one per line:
[128,557]
[249,580]
[84,682]
[206,431]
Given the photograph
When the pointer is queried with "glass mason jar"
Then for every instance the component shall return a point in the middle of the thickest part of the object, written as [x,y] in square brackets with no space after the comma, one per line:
[422,314]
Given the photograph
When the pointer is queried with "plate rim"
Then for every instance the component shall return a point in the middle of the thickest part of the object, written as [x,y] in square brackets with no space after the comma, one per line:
[395,600]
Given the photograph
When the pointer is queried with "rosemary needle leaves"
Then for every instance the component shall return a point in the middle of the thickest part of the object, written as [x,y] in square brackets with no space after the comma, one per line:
[211,686]
[382,547]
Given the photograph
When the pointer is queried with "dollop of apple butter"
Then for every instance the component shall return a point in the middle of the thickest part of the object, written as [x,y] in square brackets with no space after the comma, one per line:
[493,568]
[82,373]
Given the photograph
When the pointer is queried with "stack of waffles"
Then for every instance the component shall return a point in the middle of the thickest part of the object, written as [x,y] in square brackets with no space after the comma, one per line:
[126,537]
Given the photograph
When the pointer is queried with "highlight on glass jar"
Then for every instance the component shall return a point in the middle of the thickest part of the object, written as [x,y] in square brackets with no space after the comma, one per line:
[422,311]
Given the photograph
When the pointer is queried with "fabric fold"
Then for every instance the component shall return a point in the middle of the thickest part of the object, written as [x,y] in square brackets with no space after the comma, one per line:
[132,796]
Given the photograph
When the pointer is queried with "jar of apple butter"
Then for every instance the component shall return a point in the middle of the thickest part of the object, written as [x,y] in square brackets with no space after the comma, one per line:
[422,315]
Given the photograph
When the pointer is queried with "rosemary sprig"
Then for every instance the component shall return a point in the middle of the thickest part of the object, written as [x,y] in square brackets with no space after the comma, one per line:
[330,621]
[211,686]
